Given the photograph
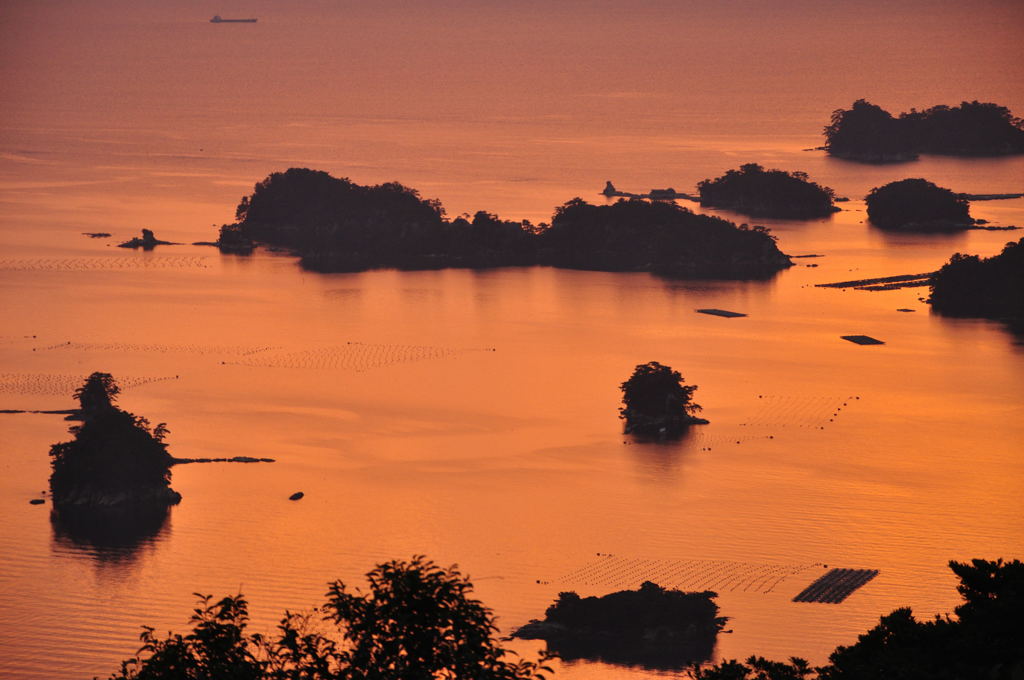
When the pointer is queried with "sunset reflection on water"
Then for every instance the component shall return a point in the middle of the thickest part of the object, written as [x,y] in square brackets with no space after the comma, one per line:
[472,415]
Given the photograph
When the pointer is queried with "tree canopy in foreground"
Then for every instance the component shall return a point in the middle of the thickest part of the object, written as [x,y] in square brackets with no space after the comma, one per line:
[983,641]
[418,621]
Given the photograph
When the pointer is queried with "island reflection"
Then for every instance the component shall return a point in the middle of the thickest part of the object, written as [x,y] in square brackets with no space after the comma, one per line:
[109,535]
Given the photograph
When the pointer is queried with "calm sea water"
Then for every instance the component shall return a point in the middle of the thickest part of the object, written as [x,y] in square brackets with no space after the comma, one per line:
[471,415]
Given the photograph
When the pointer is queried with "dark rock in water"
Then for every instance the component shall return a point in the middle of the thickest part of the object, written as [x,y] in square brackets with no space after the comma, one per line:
[296,496]
[37,501]
[147,242]
[236,459]
[652,626]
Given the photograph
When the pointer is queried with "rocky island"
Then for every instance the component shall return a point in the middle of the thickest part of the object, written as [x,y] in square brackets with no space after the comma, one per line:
[651,626]
[116,460]
[992,287]
[917,205]
[752,190]
[335,225]
[868,133]
[147,241]
[657,402]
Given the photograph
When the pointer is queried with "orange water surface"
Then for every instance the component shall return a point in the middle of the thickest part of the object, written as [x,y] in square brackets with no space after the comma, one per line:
[472,415]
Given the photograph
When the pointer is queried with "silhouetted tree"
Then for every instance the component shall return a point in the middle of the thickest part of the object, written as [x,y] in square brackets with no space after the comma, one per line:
[917,204]
[417,622]
[773,193]
[986,640]
[97,394]
[656,401]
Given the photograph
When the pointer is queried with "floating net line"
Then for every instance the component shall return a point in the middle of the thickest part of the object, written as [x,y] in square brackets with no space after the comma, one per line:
[717,575]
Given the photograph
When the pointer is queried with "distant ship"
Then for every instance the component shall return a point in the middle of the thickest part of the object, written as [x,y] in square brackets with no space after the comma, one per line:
[217,20]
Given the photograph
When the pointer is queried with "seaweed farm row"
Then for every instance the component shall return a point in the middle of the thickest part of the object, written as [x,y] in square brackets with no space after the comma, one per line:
[836,585]
[354,356]
[60,384]
[812,411]
[155,348]
[78,264]
[717,575]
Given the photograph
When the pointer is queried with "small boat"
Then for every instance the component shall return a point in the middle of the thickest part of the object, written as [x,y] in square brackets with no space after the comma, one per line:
[218,20]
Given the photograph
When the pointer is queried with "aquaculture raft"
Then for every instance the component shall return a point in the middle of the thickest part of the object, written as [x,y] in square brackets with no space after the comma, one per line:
[862,339]
[836,585]
[721,312]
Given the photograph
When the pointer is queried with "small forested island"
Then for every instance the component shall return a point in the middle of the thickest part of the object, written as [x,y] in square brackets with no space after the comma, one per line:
[917,205]
[752,190]
[991,287]
[869,133]
[657,402]
[651,625]
[115,459]
[335,225]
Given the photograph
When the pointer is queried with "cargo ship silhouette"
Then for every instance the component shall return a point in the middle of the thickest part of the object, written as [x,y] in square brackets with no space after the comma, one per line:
[218,20]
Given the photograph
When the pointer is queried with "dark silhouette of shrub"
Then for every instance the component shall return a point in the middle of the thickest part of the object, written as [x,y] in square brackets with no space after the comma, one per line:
[986,640]
[657,402]
[917,204]
[336,225]
[115,457]
[650,626]
[867,132]
[771,193]
[417,622]
[992,287]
